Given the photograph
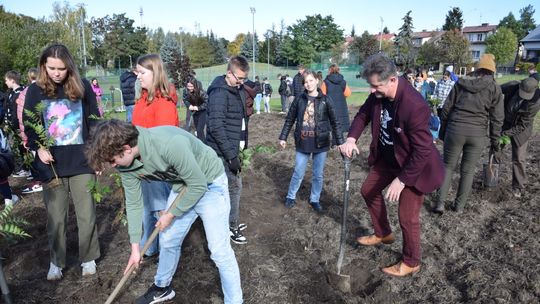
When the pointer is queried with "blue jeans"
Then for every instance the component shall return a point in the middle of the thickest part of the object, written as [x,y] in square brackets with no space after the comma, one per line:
[300,166]
[213,208]
[155,195]
[258,98]
[129,112]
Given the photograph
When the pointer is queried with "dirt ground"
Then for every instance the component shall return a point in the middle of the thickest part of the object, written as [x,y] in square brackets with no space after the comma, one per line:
[488,254]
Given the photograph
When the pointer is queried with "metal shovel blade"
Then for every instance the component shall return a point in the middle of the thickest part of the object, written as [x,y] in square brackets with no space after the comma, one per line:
[341,282]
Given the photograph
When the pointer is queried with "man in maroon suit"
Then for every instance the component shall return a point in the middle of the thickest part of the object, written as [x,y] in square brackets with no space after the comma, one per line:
[402,156]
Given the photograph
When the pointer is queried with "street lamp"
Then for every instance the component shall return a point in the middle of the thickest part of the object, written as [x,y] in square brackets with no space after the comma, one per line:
[81,7]
[268,55]
[252,9]
[380,37]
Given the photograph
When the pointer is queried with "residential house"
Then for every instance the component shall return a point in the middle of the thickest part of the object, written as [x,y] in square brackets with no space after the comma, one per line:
[531,46]
[419,38]
[477,36]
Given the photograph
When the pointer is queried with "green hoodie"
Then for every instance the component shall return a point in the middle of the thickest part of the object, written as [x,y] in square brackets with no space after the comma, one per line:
[172,155]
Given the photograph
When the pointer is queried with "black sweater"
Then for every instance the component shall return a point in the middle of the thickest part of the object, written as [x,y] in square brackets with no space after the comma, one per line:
[69,126]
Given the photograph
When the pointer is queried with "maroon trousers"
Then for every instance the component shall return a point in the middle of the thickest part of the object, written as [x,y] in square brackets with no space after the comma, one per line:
[410,202]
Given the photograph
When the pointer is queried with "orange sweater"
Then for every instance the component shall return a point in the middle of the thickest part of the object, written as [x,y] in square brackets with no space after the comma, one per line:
[160,112]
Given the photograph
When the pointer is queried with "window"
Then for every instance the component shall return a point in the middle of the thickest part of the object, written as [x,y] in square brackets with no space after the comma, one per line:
[479,37]
[475,54]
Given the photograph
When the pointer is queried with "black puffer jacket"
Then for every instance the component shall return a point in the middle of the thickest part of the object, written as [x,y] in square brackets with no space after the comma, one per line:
[298,85]
[226,111]
[325,121]
[127,85]
[335,86]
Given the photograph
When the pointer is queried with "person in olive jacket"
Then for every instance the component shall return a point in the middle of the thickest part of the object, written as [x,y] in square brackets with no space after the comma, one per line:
[315,118]
[521,104]
[473,109]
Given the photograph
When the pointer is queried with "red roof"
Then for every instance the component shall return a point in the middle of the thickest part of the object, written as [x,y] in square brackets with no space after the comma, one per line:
[479,29]
[385,37]
[425,34]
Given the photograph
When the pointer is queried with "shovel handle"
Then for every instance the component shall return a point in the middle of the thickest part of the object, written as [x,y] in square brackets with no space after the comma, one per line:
[145,247]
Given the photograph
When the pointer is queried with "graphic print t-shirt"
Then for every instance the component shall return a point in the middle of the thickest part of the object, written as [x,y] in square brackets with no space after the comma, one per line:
[307,133]
[63,121]
[386,139]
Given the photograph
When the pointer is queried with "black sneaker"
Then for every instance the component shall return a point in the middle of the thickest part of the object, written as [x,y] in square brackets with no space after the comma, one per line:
[237,237]
[317,207]
[156,294]
[289,203]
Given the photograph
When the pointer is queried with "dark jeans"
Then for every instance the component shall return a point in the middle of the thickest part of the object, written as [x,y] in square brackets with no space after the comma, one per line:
[188,124]
[284,103]
[519,157]
[235,191]
[199,118]
[472,147]
[410,202]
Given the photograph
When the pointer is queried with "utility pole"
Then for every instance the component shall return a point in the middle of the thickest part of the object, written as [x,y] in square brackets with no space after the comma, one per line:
[380,36]
[81,7]
[268,55]
[141,15]
[252,9]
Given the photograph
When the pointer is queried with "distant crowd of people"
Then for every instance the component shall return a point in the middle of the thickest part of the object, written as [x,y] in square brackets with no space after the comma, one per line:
[171,177]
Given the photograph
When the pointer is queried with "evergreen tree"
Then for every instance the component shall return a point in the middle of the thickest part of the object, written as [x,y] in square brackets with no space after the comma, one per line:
[385,30]
[246,49]
[404,46]
[172,58]
[454,20]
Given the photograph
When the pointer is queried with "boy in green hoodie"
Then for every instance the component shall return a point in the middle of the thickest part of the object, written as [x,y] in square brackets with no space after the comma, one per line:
[173,155]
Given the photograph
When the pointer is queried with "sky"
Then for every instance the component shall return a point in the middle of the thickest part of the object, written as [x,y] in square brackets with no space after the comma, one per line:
[227,18]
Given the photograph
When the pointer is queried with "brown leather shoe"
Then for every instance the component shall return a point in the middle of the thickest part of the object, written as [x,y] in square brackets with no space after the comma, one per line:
[400,270]
[370,240]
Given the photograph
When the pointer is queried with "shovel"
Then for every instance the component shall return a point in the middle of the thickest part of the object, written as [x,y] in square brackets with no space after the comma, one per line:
[146,245]
[343,281]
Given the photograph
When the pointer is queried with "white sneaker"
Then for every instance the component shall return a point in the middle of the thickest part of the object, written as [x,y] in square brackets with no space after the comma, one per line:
[55,273]
[88,268]
[22,173]
[11,202]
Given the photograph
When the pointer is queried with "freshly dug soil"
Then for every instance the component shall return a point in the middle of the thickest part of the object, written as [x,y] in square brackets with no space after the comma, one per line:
[490,253]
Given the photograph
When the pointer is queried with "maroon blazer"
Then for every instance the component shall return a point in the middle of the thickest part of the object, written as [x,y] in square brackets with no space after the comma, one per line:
[419,160]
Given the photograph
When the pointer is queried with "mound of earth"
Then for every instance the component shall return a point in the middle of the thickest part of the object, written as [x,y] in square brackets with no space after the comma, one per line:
[489,253]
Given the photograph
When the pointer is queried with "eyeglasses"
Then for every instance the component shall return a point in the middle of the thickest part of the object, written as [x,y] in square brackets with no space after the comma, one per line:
[239,79]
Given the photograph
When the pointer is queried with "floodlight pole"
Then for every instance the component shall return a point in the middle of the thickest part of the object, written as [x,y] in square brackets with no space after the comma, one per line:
[252,9]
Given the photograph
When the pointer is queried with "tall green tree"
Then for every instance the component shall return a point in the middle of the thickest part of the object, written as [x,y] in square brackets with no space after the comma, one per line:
[115,38]
[21,40]
[406,53]
[233,48]
[454,19]
[502,44]
[510,23]
[155,39]
[200,52]
[526,20]
[455,48]
[172,58]
[246,49]
[362,47]
[319,33]
[429,54]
